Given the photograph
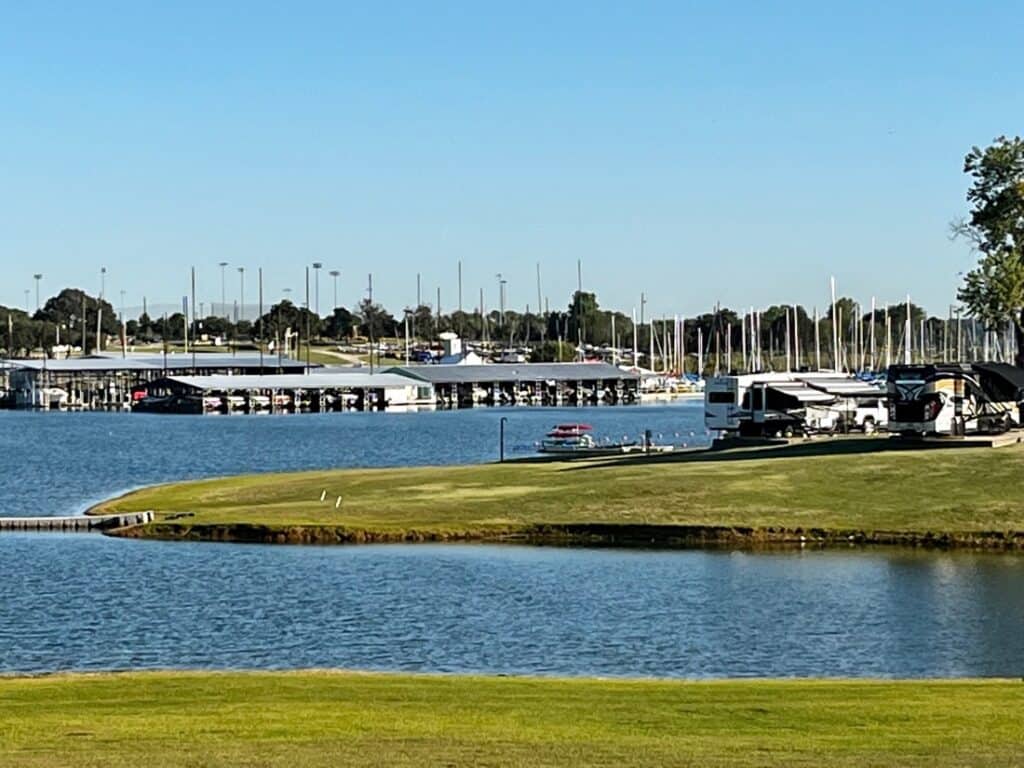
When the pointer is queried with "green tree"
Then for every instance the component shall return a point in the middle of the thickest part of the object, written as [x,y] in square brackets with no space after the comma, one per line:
[375,321]
[339,324]
[993,292]
[553,352]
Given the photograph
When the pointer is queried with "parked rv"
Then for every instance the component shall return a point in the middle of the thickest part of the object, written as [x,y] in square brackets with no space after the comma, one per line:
[955,398]
[787,404]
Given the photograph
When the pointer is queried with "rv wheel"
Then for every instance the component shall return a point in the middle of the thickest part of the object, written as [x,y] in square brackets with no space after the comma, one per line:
[869,425]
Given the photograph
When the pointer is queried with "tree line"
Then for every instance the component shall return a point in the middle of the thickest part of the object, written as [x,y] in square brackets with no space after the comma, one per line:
[992,294]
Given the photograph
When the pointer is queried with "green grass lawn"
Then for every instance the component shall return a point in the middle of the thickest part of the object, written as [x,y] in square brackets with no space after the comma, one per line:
[305,719]
[839,485]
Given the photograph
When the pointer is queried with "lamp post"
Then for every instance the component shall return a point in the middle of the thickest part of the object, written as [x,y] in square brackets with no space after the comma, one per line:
[103,282]
[223,293]
[38,277]
[316,280]
[501,439]
[334,274]
[241,295]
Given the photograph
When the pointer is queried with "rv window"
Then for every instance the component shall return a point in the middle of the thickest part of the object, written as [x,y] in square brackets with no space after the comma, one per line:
[721,398]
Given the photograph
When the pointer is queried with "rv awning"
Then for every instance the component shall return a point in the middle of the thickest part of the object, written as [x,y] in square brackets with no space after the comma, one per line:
[1009,373]
[845,387]
[800,392]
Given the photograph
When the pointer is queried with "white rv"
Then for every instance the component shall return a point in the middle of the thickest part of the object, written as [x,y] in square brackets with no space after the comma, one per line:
[786,404]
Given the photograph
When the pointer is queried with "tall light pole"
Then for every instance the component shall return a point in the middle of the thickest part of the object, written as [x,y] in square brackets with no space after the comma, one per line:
[501,299]
[122,305]
[316,279]
[38,277]
[223,291]
[103,282]
[334,274]
[241,294]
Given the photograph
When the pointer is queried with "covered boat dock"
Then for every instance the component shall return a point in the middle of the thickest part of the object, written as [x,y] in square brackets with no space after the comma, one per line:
[463,386]
[285,393]
[106,382]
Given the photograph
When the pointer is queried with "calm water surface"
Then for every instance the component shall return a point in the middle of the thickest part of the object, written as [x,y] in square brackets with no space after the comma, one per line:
[88,602]
[59,463]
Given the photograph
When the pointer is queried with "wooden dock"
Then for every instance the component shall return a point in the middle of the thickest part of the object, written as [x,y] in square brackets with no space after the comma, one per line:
[75,524]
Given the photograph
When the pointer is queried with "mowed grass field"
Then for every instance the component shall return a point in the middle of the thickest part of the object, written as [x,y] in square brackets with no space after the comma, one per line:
[306,719]
[854,484]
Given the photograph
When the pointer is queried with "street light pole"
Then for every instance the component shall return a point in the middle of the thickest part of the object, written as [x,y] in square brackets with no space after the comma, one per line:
[103,282]
[38,277]
[241,294]
[316,272]
[223,292]
[334,274]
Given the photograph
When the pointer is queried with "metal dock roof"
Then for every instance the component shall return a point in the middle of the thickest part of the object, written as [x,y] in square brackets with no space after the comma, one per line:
[221,383]
[513,372]
[176,362]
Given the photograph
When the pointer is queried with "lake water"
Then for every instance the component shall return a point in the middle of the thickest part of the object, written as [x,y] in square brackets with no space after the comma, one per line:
[60,463]
[87,602]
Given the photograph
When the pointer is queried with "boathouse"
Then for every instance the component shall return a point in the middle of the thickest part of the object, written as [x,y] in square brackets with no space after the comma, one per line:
[322,392]
[103,382]
[463,386]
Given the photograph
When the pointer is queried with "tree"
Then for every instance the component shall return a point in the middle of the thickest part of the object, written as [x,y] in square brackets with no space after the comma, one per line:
[375,321]
[553,352]
[993,292]
[339,324]
[285,316]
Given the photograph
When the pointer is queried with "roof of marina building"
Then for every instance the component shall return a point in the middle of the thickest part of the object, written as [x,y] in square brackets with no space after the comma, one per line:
[202,361]
[514,372]
[298,381]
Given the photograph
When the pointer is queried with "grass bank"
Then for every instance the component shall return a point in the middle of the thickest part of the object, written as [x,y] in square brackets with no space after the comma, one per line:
[307,719]
[835,492]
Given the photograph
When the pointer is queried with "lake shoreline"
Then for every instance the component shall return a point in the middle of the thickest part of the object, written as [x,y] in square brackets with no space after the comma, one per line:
[586,535]
[837,495]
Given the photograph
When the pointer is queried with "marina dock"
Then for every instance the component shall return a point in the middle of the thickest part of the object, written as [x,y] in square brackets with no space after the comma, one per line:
[75,523]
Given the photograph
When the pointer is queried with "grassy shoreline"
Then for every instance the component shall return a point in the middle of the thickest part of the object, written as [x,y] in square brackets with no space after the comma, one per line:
[856,493]
[323,718]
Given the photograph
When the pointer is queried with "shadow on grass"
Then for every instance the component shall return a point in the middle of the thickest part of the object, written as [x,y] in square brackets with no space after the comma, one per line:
[834,447]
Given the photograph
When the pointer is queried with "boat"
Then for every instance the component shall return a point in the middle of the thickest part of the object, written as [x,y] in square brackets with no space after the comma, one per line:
[575,439]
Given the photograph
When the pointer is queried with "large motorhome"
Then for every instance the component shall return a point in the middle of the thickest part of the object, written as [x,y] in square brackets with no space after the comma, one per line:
[786,404]
[955,398]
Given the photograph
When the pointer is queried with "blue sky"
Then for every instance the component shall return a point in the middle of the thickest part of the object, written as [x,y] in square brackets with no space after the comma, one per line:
[698,152]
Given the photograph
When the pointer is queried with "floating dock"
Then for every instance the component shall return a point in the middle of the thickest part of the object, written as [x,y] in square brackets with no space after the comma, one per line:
[76,523]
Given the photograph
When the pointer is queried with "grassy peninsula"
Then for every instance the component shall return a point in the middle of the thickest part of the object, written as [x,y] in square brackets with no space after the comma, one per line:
[307,719]
[841,491]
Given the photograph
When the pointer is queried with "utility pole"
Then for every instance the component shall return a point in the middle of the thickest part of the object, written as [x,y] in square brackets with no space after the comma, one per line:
[103,282]
[38,276]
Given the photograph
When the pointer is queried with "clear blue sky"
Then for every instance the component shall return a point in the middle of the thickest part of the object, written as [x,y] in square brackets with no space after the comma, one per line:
[742,152]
